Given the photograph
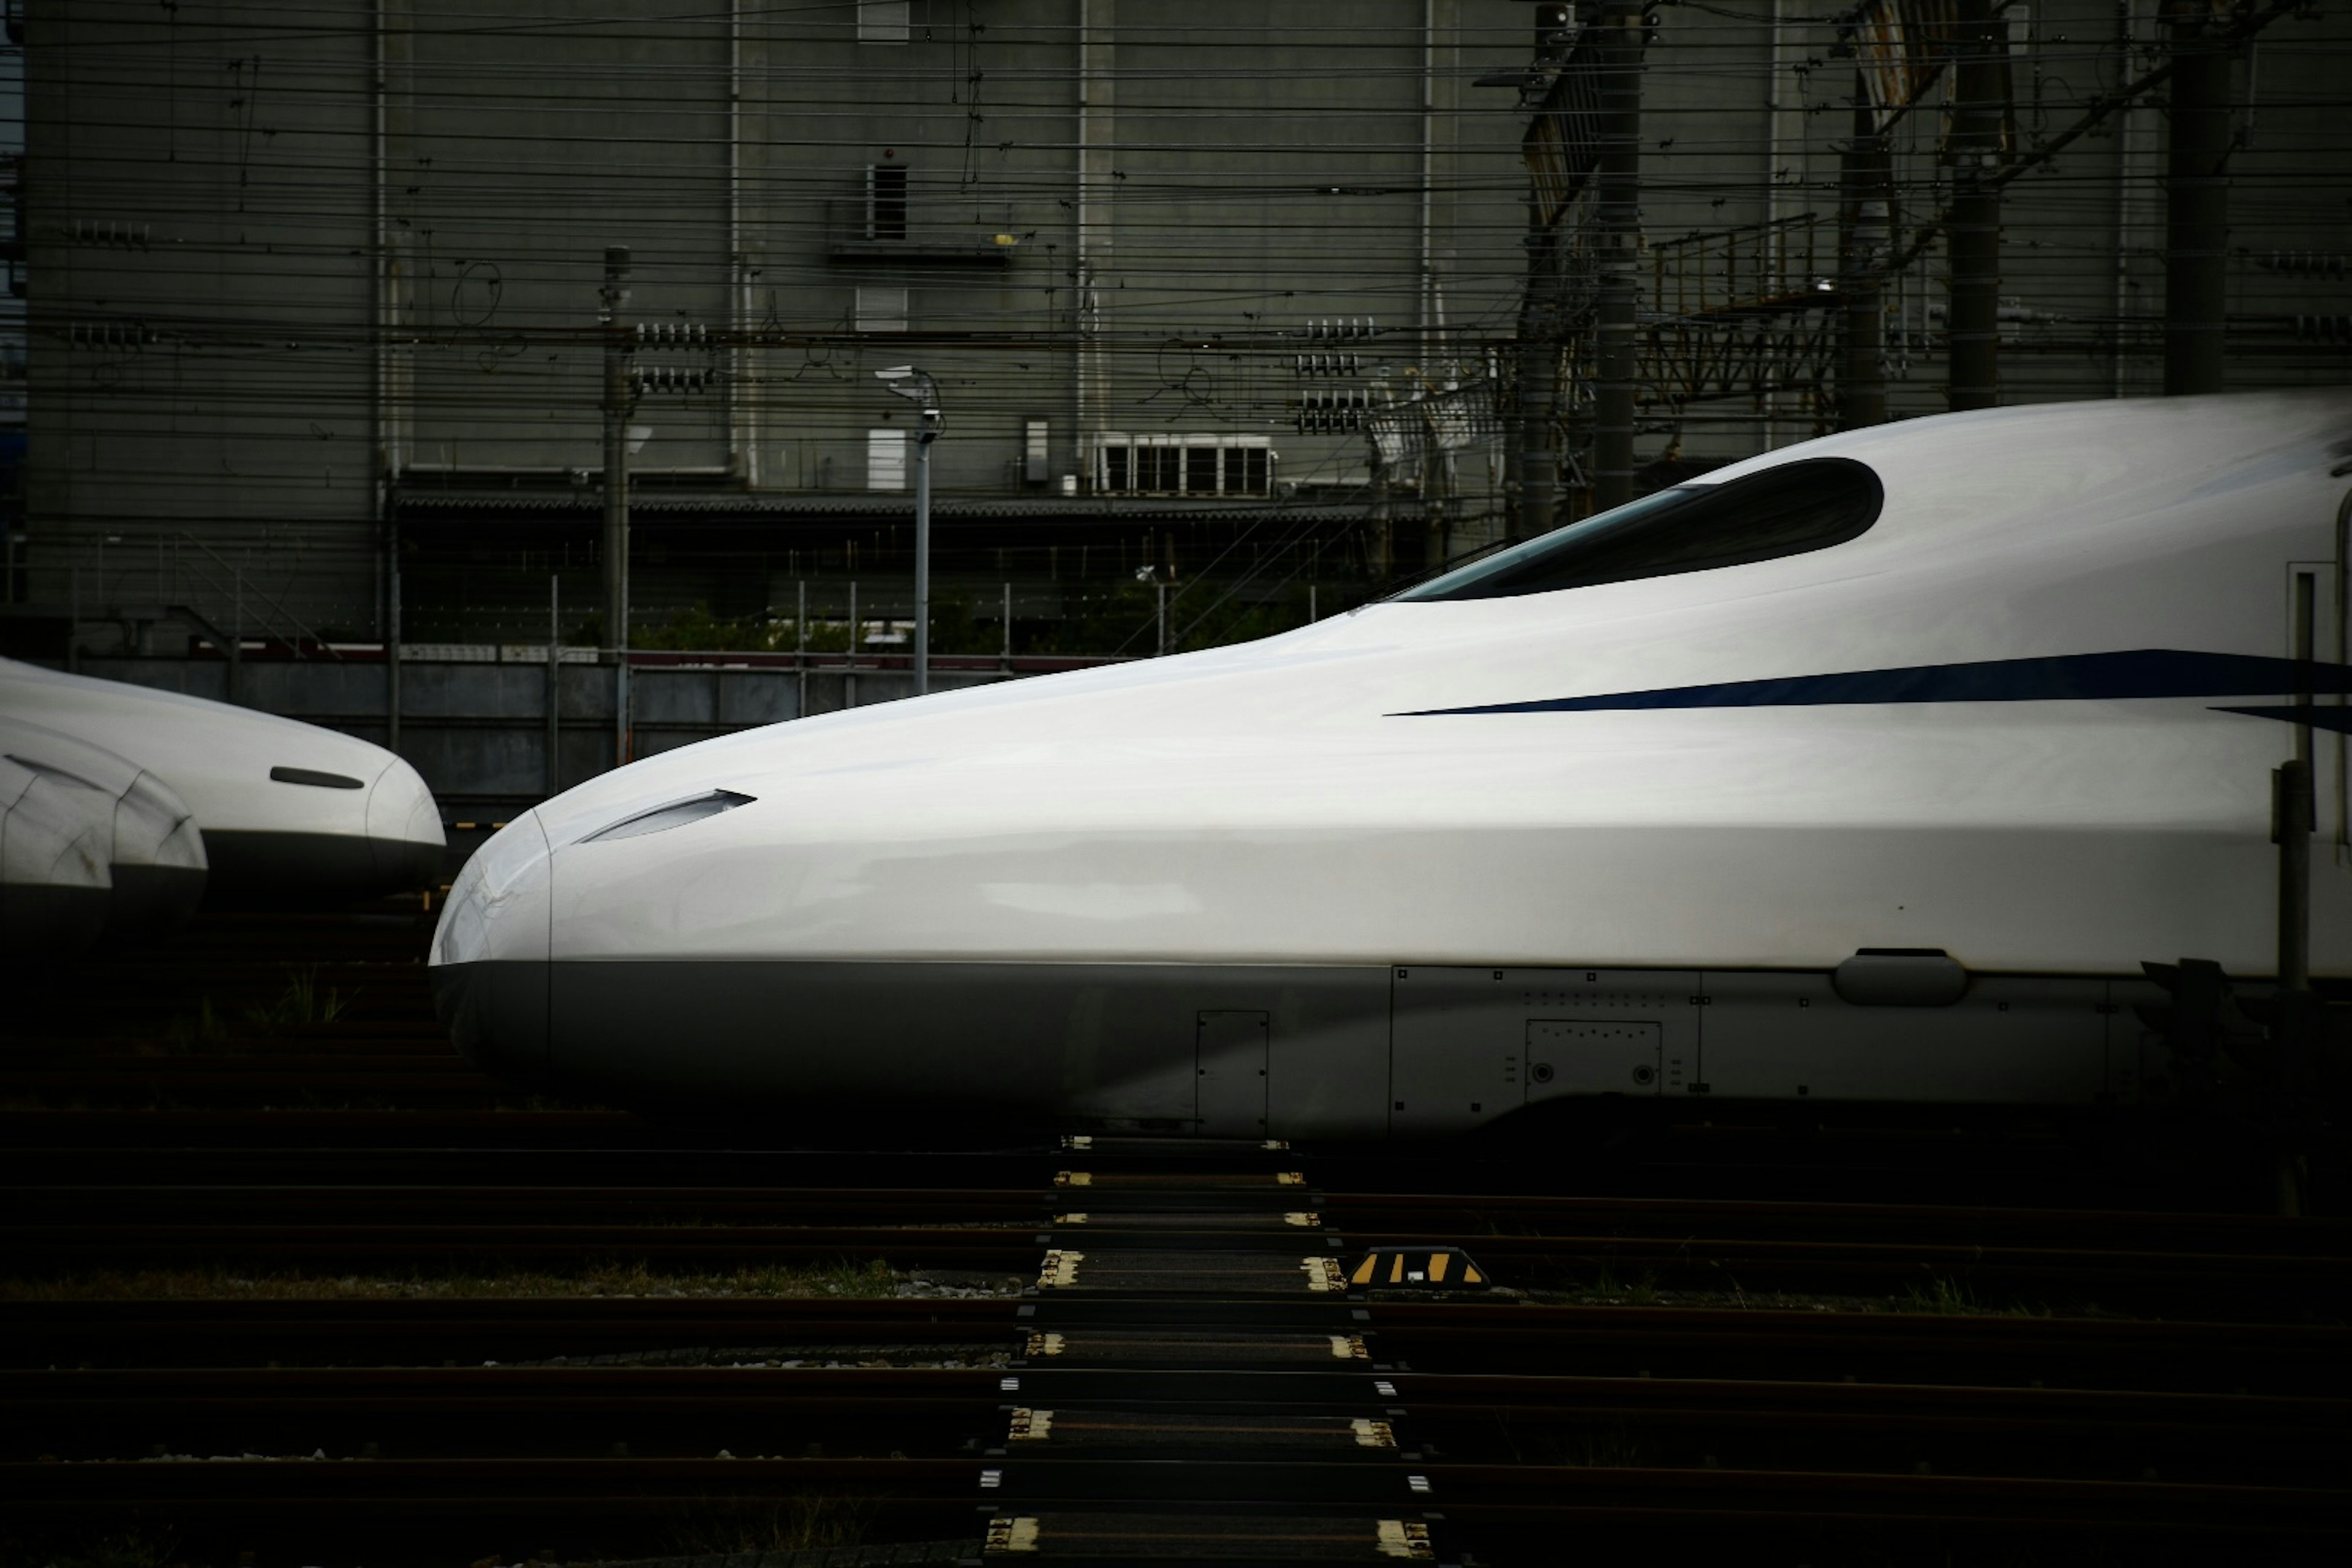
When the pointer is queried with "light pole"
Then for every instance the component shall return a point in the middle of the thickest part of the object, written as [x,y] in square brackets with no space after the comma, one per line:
[1152,575]
[909,382]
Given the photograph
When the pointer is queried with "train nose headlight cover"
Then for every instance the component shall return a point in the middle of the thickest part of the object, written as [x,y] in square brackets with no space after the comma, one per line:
[677,813]
[499,906]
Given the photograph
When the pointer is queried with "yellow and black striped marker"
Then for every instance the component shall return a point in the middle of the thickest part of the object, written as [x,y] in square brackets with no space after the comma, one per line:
[1417,1268]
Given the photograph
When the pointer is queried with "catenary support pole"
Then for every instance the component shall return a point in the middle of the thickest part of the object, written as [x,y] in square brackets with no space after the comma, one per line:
[392,636]
[617,400]
[2197,187]
[554,682]
[1866,231]
[1979,119]
[923,438]
[1619,214]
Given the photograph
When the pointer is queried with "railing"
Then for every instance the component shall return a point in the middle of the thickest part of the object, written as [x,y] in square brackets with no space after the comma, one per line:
[176,577]
[849,235]
[1791,262]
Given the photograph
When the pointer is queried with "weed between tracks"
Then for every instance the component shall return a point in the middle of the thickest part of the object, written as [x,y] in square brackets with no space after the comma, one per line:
[786,1524]
[844,1279]
[132,1548]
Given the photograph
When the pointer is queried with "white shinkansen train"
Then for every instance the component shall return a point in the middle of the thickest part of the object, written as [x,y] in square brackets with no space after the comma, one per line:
[290,813]
[1869,769]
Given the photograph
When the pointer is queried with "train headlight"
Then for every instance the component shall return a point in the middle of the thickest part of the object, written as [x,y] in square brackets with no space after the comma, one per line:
[501,904]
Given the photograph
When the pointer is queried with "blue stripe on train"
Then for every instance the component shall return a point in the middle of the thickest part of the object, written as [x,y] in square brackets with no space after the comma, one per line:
[2079,677]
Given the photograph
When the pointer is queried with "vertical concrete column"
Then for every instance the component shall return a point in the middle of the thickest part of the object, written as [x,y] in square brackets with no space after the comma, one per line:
[1620,215]
[2197,194]
[1535,449]
[1866,231]
[1980,104]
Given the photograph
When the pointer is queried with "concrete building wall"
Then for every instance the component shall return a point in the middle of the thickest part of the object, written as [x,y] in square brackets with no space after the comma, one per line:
[280,273]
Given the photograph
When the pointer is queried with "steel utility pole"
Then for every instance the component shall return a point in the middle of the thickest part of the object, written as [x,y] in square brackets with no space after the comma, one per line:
[1980,119]
[1619,191]
[619,401]
[1867,171]
[2197,213]
[909,382]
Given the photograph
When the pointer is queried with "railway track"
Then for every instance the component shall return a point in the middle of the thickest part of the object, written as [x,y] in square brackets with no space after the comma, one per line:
[1191,1358]
[1195,1352]
[2156,1262]
[1482,1337]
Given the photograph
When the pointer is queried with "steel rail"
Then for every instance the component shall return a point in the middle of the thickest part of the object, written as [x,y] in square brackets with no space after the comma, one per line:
[1013,1245]
[1476,1334]
[1508,1219]
[356,1392]
[355,1494]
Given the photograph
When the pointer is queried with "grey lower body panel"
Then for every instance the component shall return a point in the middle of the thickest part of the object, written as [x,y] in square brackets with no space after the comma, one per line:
[152,902]
[1284,1051]
[251,868]
[1232,1050]
[47,922]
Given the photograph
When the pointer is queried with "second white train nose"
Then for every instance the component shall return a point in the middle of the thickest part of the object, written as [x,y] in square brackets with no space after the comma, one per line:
[490,952]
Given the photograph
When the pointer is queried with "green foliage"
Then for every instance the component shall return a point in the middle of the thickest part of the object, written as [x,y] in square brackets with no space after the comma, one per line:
[695,629]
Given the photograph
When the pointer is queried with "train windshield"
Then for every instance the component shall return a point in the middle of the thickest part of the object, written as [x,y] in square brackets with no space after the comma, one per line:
[1785,510]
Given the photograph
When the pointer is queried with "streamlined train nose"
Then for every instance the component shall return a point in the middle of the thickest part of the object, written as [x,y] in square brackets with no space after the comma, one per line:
[55,885]
[490,957]
[403,828]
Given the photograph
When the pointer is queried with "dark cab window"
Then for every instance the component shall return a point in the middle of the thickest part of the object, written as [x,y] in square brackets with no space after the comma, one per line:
[1785,510]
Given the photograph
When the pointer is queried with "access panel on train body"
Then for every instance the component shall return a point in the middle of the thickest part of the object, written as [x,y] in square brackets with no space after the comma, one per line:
[1229,1066]
[1469,1045]
[2009,1039]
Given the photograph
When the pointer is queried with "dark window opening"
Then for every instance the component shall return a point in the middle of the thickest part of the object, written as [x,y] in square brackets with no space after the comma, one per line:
[1254,470]
[1156,467]
[886,201]
[1200,469]
[1787,510]
[1115,468]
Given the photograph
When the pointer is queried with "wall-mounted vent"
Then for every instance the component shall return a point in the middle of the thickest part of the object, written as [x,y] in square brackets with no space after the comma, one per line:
[1036,449]
[885,201]
[885,459]
[881,310]
[882,21]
